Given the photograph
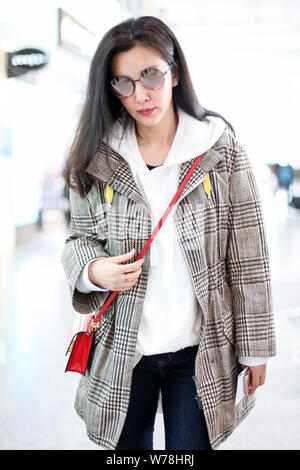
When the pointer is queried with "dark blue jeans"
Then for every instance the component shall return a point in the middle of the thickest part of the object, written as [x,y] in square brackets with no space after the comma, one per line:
[184,421]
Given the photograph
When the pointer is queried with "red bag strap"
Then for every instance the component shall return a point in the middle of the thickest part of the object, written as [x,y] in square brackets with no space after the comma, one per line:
[154,233]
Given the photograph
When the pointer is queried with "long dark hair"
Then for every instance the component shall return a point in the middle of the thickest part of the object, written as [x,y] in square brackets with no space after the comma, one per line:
[102,109]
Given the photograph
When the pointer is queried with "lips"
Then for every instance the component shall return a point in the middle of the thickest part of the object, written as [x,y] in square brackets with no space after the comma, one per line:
[145,112]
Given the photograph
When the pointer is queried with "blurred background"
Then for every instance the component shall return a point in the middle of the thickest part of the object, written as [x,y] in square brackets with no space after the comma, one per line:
[244,59]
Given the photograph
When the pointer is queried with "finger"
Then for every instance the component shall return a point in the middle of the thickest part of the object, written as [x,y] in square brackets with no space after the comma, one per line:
[128,268]
[127,282]
[124,257]
[127,277]
[130,278]
[262,379]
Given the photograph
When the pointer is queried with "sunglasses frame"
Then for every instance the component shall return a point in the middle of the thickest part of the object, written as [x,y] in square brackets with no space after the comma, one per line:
[139,80]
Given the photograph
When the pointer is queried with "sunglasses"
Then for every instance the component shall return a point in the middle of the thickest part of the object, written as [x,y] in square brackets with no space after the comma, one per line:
[151,78]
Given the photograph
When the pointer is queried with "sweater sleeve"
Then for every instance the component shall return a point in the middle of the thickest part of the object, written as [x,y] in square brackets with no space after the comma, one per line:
[85,243]
[253,361]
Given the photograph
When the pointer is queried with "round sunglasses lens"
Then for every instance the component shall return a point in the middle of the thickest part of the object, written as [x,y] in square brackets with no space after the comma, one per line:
[152,78]
[122,86]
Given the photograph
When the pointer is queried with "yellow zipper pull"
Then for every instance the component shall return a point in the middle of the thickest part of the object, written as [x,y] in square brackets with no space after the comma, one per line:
[109,193]
[206,185]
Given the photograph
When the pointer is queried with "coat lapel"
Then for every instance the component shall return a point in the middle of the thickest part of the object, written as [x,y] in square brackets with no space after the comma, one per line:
[207,162]
[114,170]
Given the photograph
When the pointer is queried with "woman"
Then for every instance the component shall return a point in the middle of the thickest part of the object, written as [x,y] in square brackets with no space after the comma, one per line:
[197,309]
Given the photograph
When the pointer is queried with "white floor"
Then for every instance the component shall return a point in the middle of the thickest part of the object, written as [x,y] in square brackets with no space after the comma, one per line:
[36,405]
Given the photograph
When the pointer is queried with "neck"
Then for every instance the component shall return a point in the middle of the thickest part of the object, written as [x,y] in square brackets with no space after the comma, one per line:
[162,134]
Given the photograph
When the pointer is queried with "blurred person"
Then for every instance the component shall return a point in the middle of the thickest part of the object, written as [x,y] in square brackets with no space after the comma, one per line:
[197,309]
[285,175]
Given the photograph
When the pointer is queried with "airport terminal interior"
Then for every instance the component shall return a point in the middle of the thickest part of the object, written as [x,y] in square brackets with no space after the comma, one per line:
[257,89]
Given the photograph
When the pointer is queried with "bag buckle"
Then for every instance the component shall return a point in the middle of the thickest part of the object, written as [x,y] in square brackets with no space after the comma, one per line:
[95,325]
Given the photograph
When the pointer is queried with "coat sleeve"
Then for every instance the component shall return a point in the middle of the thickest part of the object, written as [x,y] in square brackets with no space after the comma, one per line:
[247,263]
[84,244]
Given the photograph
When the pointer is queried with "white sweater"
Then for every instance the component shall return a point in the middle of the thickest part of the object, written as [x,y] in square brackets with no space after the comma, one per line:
[170,321]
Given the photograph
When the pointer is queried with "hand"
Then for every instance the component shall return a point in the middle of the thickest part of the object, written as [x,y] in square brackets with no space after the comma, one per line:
[257,377]
[111,274]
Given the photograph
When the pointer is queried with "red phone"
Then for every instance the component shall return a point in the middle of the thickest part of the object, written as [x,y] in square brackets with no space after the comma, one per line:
[247,377]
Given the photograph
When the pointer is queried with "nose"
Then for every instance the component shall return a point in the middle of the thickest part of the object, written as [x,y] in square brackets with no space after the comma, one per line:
[141,92]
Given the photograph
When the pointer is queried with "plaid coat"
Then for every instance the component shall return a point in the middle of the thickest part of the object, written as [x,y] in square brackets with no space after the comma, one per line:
[224,244]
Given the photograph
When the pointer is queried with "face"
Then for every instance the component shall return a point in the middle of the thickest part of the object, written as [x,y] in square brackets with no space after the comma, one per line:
[131,63]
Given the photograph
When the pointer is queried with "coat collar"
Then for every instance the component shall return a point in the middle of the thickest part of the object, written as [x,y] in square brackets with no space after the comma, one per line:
[110,167]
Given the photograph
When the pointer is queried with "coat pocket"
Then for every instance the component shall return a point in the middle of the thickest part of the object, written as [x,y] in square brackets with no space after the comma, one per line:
[227,313]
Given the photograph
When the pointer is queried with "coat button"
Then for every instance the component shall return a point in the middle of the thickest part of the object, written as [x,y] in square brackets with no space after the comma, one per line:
[212,360]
